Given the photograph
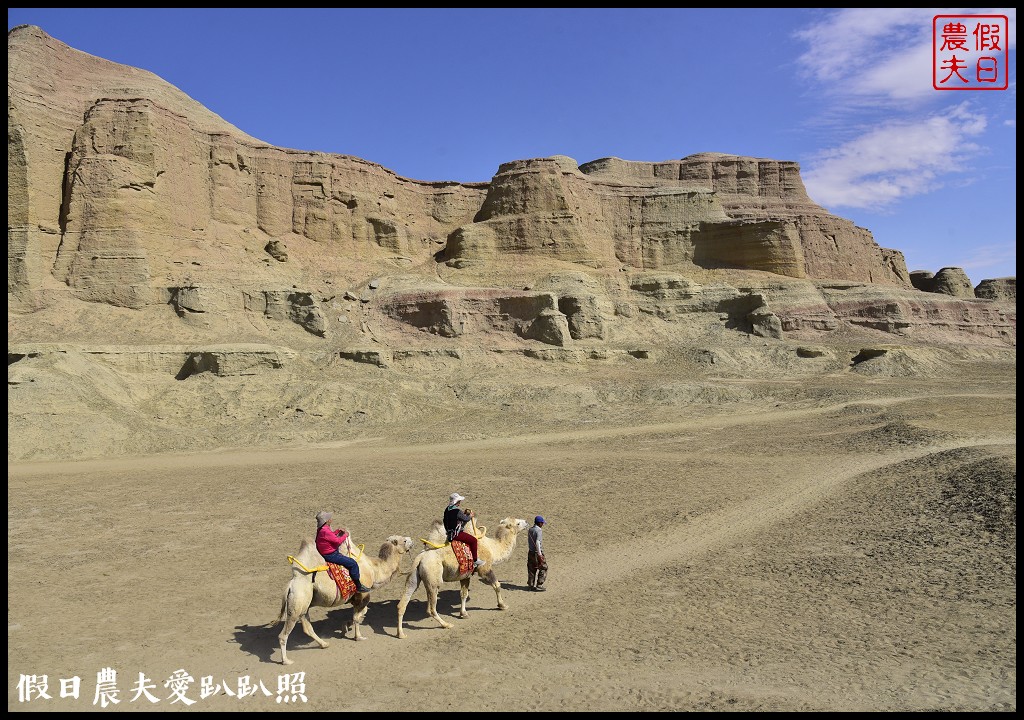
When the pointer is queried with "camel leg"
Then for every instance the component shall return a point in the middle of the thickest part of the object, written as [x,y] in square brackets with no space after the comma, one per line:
[282,640]
[307,627]
[432,591]
[464,595]
[410,589]
[297,599]
[491,579]
[360,604]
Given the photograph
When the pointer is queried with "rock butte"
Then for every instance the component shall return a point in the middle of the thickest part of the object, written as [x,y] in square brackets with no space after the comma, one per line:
[149,234]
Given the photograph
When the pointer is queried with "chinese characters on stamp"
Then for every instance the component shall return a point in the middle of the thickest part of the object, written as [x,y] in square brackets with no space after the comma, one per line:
[969,52]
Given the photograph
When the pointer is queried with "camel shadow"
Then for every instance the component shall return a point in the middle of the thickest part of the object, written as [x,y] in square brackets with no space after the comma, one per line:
[261,641]
[380,620]
[381,617]
[258,640]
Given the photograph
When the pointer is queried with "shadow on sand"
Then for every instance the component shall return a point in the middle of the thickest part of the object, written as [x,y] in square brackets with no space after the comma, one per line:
[261,641]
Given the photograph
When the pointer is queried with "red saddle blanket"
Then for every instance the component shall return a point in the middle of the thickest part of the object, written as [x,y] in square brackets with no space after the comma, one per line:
[464,555]
[343,580]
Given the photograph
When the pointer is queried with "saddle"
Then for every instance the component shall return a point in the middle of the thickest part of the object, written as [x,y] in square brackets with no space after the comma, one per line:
[464,556]
[339,573]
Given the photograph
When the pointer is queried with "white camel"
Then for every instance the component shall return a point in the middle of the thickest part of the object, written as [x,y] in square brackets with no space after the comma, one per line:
[314,587]
[434,566]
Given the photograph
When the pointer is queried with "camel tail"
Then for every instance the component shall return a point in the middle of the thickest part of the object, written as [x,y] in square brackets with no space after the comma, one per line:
[283,614]
[412,577]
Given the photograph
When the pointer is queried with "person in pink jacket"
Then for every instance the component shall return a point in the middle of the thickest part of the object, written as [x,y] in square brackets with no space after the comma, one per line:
[328,542]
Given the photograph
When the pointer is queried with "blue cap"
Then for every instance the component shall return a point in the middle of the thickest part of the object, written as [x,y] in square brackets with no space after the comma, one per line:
[539,519]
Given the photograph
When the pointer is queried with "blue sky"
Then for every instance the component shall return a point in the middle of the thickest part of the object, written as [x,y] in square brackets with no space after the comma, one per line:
[451,94]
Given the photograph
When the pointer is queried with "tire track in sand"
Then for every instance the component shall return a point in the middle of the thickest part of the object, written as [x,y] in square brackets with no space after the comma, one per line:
[711,531]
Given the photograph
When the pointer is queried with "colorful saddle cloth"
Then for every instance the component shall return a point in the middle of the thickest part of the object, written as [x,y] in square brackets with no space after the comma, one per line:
[464,555]
[346,588]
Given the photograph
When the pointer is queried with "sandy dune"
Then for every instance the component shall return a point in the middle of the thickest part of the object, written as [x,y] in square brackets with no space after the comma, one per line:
[849,555]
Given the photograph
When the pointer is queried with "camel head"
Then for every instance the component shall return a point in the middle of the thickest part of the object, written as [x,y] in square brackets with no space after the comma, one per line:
[395,544]
[402,543]
[513,525]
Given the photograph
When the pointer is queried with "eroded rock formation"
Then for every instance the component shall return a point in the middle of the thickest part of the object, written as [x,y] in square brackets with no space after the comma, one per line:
[1003,289]
[125,193]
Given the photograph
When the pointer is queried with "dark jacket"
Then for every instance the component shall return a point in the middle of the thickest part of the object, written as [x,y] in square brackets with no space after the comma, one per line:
[455,519]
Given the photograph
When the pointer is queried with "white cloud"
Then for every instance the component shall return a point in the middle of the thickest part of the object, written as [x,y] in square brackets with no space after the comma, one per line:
[894,161]
[879,53]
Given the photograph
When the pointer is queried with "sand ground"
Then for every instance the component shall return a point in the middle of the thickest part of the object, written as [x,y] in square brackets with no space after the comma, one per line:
[853,553]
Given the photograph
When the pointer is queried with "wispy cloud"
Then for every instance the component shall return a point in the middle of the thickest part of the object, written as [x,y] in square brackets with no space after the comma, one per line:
[880,53]
[897,160]
[986,256]
[869,51]
[874,67]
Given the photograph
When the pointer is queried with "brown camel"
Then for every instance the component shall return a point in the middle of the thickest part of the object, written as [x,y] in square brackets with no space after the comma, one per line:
[310,587]
[434,566]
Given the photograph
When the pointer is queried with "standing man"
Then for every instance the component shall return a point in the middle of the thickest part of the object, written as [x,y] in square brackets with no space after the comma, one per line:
[536,564]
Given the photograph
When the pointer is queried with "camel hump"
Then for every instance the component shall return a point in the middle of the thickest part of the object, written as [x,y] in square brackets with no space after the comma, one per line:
[437,533]
[308,554]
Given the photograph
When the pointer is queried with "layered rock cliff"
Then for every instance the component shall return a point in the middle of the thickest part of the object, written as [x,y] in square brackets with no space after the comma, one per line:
[125,193]
[175,284]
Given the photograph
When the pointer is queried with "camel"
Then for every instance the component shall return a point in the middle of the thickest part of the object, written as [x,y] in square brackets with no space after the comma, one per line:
[435,566]
[311,588]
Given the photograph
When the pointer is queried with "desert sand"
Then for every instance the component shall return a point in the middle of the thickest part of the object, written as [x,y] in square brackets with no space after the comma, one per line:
[843,542]
[778,466]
